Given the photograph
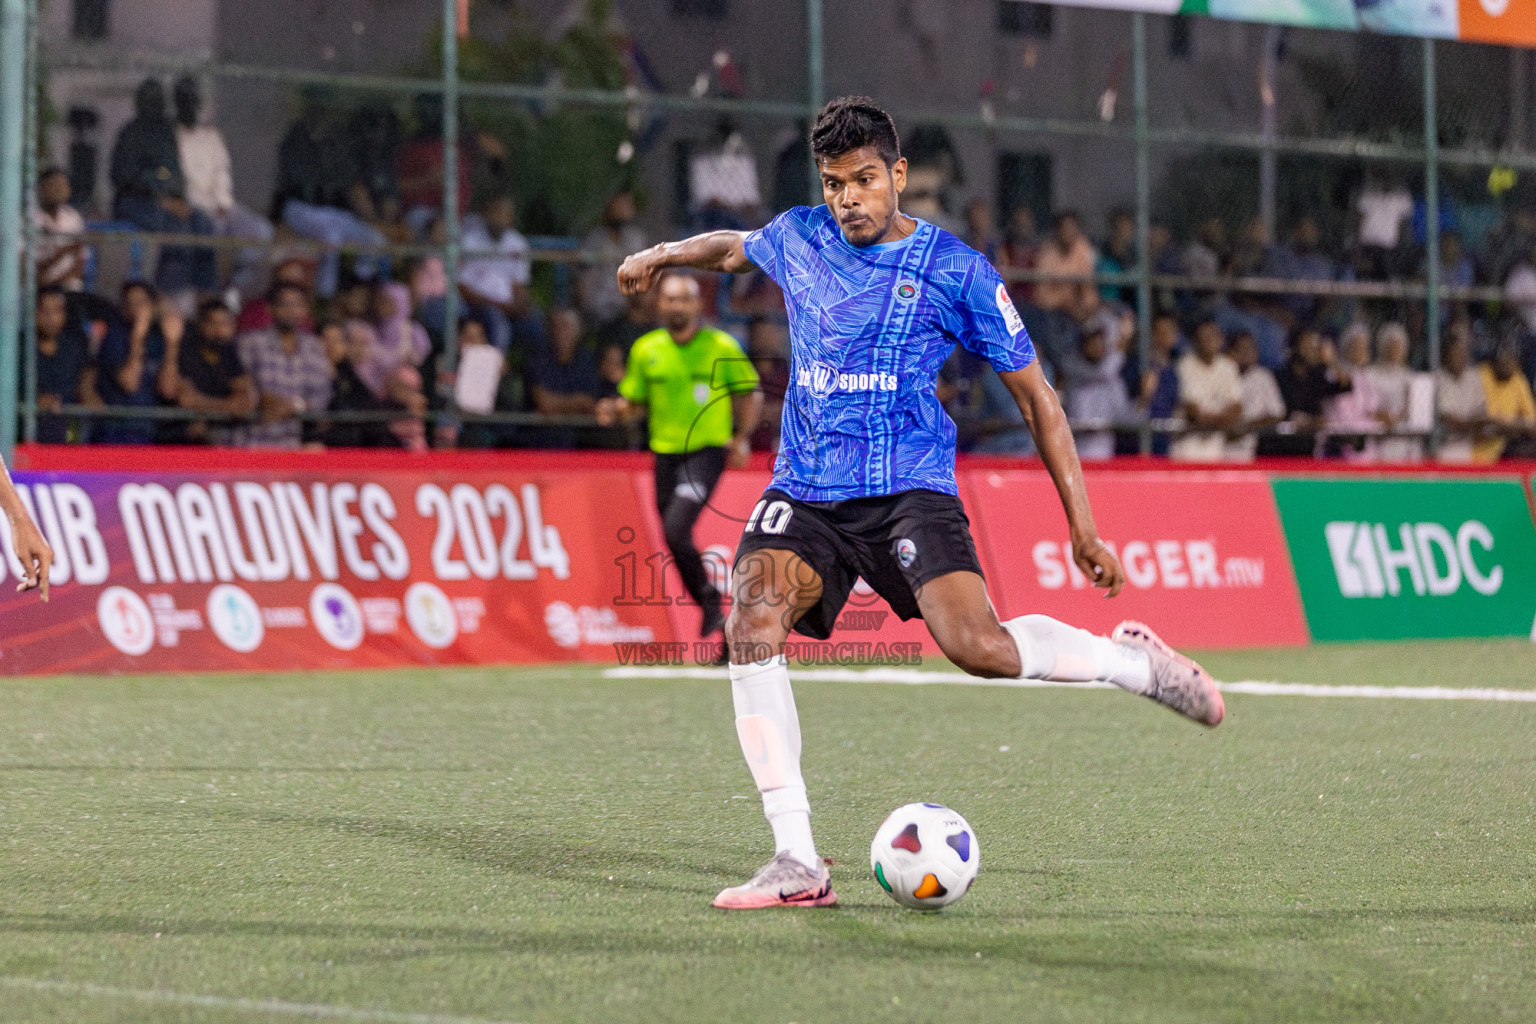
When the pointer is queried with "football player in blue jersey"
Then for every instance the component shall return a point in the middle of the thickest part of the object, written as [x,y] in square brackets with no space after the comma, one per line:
[864,484]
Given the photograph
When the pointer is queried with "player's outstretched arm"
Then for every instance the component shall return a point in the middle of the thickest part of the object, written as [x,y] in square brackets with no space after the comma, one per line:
[721,251]
[35,555]
[1053,436]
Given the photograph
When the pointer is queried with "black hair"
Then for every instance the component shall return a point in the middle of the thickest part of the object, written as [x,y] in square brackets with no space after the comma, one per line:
[208,305]
[51,289]
[853,122]
[129,285]
[52,170]
[1065,215]
[278,287]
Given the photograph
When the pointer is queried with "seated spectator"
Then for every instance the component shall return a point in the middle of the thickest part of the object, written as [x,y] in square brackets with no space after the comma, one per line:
[1302,260]
[1262,405]
[1520,288]
[1065,302]
[1019,251]
[639,317]
[608,243]
[1210,396]
[1456,271]
[289,370]
[256,315]
[59,261]
[1118,256]
[137,363]
[1245,313]
[350,395]
[315,195]
[768,348]
[396,342]
[63,350]
[611,363]
[212,378]
[151,192]
[1156,386]
[562,380]
[206,166]
[420,164]
[1461,402]
[1511,410]
[1393,381]
[1092,391]
[980,229]
[1358,410]
[1308,378]
[496,274]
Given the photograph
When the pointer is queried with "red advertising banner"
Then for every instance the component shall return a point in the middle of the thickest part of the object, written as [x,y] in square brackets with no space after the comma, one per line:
[867,630]
[326,567]
[1205,559]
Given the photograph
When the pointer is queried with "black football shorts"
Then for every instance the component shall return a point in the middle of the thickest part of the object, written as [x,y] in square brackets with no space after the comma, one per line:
[897,542]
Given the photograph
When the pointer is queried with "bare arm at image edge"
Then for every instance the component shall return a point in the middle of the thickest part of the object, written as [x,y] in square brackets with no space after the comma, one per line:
[32,551]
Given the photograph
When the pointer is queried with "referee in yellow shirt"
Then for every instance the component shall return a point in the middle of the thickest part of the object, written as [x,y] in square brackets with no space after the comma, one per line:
[701,397]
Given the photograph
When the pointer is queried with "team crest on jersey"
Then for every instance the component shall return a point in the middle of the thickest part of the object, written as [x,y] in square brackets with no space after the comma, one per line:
[905,290]
[906,553]
[1010,314]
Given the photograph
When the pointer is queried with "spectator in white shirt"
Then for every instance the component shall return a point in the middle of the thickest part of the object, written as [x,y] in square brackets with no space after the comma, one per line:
[1520,288]
[495,276]
[1262,405]
[1460,401]
[1382,208]
[1210,397]
[60,262]
[1393,381]
[210,186]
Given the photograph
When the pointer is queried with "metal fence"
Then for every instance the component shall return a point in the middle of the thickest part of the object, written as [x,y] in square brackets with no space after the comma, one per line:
[1038,92]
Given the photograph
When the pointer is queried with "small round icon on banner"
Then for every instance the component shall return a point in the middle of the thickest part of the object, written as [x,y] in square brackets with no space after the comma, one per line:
[431,615]
[1495,8]
[563,624]
[235,618]
[126,620]
[336,616]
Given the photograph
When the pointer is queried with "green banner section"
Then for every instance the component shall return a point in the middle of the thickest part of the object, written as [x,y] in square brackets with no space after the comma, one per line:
[1397,559]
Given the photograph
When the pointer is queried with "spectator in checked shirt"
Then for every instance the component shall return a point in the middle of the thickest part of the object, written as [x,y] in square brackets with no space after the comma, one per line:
[289,368]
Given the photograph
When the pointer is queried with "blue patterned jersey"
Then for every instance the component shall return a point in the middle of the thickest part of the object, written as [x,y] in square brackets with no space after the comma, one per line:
[869,329]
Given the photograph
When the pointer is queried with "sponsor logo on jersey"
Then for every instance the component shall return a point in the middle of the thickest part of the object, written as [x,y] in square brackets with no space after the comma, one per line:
[906,290]
[1373,560]
[1010,314]
[823,380]
[906,552]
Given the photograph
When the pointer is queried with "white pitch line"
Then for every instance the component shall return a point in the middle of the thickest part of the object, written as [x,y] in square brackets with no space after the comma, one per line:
[918,677]
[314,1011]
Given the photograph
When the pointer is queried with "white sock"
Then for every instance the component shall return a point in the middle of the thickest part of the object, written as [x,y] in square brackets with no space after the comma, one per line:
[768,727]
[1054,650]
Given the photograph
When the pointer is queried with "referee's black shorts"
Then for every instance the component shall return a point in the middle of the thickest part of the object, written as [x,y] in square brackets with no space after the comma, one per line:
[897,542]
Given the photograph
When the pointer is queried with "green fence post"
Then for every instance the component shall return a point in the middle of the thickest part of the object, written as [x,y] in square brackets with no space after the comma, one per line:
[13,86]
[1143,202]
[813,82]
[451,180]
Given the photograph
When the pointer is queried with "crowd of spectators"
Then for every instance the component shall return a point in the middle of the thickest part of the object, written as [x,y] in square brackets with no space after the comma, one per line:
[303,331]
[1238,368]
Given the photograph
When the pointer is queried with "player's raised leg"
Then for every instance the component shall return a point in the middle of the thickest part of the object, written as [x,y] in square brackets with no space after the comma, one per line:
[771,589]
[963,622]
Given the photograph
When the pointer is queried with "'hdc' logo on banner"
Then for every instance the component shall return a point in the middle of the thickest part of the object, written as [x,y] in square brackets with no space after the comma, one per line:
[1370,562]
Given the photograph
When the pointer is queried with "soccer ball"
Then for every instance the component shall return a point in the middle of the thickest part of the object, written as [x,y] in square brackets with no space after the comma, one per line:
[925,856]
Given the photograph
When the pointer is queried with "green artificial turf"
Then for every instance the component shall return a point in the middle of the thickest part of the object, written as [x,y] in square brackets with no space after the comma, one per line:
[542,845]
